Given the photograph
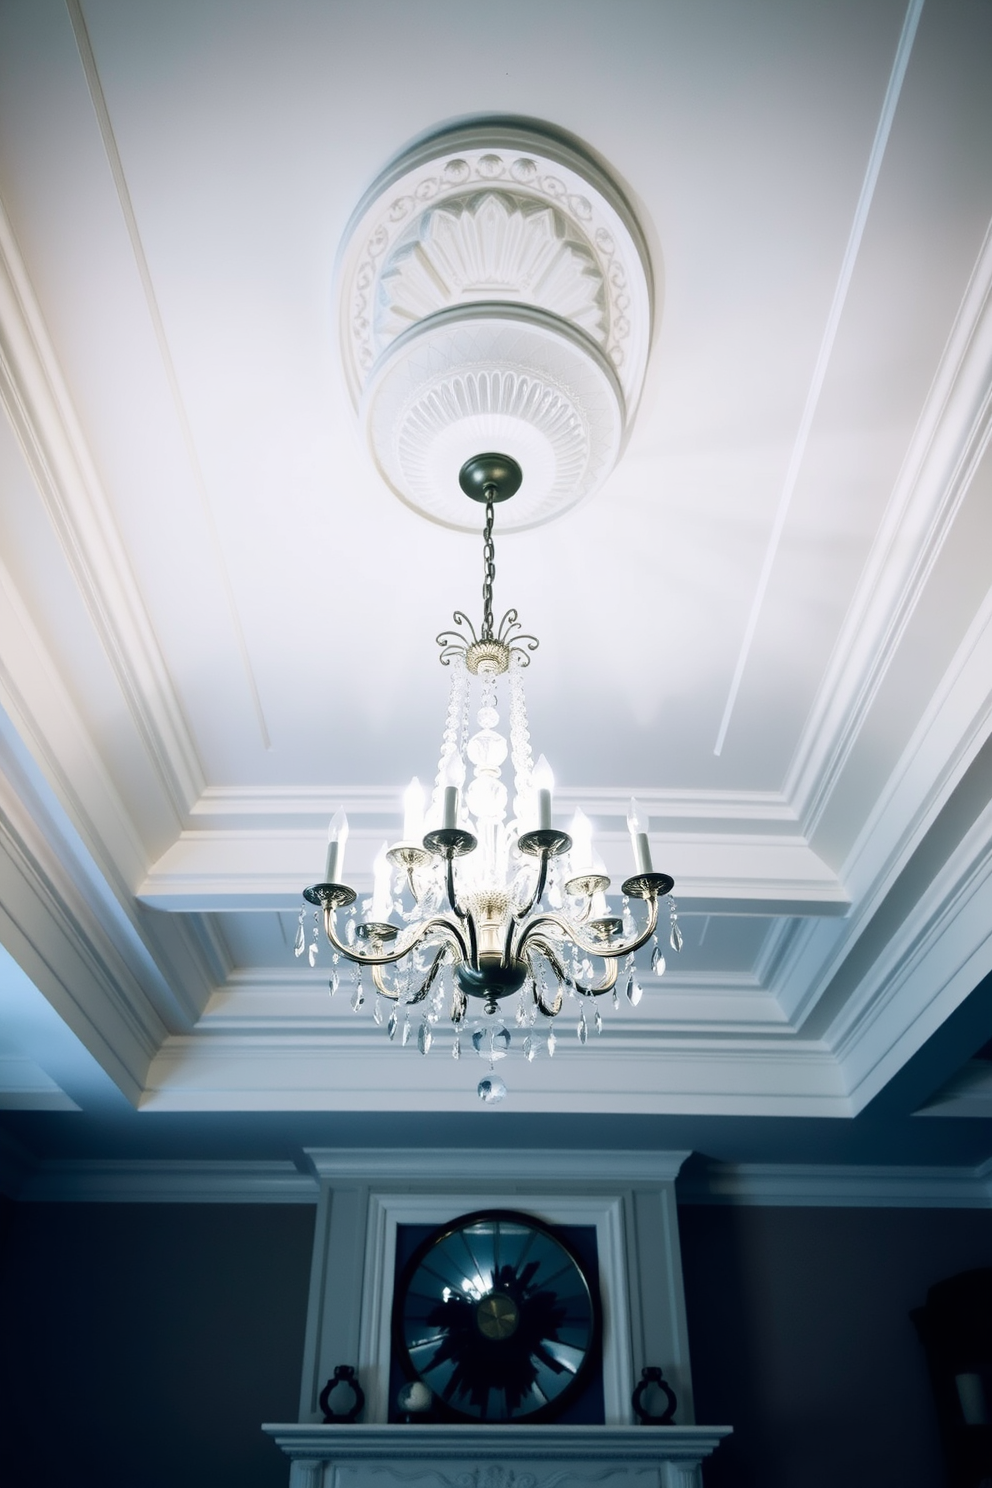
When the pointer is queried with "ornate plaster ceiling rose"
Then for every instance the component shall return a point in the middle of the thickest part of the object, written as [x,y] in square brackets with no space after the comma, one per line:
[495,294]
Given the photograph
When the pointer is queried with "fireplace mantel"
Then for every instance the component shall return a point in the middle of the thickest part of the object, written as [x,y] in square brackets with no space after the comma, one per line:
[462,1456]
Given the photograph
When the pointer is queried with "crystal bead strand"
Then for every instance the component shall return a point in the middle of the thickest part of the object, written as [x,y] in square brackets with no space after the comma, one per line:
[520,751]
[455,723]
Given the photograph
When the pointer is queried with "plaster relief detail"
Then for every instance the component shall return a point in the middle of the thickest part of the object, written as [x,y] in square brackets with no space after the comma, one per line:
[522,230]
[491,246]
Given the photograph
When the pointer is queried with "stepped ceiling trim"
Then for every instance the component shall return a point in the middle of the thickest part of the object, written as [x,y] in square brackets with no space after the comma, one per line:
[950,440]
[37,402]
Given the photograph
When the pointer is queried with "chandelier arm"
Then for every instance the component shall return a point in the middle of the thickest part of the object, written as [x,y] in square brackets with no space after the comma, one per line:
[471,955]
[379,982]
[521,914]
[439,925]
[555,1008]
[609,952]
[611,972]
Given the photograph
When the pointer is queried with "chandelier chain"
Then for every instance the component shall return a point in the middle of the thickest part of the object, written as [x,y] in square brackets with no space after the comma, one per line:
[489,567]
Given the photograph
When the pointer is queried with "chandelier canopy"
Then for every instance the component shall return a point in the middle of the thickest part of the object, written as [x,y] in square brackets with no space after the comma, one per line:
[484,904]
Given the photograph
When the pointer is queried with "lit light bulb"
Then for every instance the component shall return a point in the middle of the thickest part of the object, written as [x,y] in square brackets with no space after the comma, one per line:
[636,826]
[337,836]
[413,811]
[544,783]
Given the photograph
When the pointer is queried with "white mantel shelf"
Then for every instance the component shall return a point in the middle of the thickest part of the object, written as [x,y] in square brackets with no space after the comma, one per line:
[496,1456]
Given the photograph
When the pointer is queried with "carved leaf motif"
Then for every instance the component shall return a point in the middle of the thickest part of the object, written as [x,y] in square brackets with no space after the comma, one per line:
[491,246]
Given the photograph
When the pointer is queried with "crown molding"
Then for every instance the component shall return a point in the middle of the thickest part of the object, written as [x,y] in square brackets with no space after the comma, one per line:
[811,1185]
[239,807]
[51,762]
[267,867]
[164,1181]
[769,1185]
[634,1071]
[436,1166]
[37,401]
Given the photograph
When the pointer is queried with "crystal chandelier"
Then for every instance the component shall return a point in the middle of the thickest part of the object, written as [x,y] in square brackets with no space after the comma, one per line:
[485,914]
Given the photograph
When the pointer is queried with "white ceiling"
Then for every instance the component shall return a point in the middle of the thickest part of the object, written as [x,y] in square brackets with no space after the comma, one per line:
[216,623]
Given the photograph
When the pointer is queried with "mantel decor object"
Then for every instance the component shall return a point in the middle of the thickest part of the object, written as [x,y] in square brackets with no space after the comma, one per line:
[345,1381]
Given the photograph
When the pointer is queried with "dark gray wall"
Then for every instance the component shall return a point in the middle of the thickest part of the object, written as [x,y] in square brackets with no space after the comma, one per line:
[164,1334]
[141,1345]
[800,1338]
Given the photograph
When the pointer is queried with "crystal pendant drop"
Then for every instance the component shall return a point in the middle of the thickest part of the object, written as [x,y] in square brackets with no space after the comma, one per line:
[500,1042]
[597,1021]
[616,998]
[582,1032]
[478,1043]
[313,953]
[552,1044]
[333,982]
[391,1026]
[301,937]
[456,1047]
[529,1047]
[405,1035]
[491,1090]
[633,989]
[358,996]
[657,960]
[377,1011]
[424,1037]
[675,939]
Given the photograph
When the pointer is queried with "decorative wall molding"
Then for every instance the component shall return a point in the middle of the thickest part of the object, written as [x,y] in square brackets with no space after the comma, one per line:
[190,1181]
[805,1185]
[37,402]
[543,1165]
[165,1181]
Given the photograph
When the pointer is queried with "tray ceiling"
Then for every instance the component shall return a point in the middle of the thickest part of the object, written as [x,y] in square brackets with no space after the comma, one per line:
[774,621]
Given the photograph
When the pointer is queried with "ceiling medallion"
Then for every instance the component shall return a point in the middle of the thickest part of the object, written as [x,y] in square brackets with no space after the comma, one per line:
[495,294]
[484,904]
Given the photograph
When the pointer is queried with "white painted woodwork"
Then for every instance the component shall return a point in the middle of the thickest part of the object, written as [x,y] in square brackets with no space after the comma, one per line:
[628,1197]
[773,621]
[496,1457]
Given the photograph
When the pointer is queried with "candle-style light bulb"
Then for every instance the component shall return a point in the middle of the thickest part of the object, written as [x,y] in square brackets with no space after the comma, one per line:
[413,811]
[382,894]
[580,832]
[636,825]
[337,836]
[544,783]
[453,779]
